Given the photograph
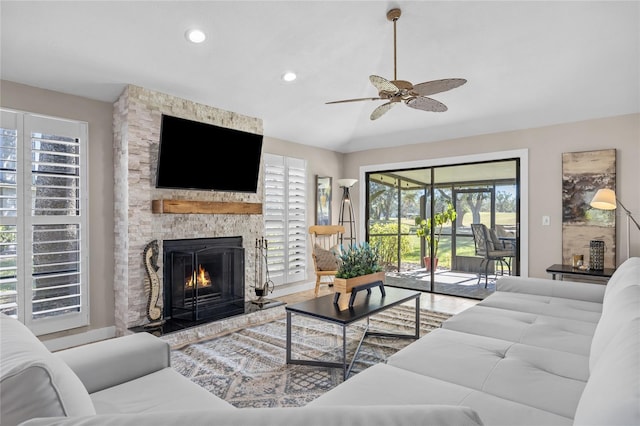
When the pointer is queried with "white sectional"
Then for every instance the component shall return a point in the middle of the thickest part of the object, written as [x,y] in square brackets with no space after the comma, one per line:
[536,352]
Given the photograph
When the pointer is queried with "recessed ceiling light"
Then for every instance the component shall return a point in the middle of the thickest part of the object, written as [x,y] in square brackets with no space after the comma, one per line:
[289,76]
[195,36]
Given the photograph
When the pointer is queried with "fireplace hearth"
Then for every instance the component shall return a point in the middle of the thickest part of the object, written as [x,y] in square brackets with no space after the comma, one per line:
[203,281]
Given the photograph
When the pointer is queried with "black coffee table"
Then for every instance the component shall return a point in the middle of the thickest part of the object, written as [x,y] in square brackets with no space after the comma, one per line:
[365,305]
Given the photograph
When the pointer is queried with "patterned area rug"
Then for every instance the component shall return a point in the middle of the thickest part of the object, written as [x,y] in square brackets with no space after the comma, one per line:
[247,368]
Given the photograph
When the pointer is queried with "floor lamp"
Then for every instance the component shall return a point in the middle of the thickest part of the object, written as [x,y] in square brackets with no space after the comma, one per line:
[346,217]
[605,199]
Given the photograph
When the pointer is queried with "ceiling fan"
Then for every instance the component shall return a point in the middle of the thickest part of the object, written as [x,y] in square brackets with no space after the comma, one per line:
[395,91]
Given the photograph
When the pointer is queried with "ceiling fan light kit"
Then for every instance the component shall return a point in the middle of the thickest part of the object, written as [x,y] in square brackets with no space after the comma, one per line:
[396,91]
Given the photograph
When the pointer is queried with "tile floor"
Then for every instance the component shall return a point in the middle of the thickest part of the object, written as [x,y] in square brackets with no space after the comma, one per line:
[434,302]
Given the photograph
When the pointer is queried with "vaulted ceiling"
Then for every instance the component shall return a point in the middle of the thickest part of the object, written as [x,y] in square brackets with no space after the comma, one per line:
[528,64]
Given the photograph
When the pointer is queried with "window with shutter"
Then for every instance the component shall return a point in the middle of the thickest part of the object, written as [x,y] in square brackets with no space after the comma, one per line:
[43,241]
[285,217]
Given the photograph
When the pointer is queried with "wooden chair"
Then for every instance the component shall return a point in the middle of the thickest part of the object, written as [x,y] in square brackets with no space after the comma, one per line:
[325,244]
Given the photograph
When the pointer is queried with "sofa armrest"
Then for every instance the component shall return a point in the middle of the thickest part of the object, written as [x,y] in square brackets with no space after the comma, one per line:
[588,292]
[397,415]
[107,363]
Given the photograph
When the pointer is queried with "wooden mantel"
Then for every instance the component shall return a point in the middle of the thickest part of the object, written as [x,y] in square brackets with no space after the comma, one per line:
[204,207]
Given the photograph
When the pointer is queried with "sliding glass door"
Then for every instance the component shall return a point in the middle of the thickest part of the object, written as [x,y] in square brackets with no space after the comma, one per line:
[484,193]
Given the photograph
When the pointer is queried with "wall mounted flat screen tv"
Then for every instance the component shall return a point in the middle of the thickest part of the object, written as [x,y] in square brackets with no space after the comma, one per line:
[203,156]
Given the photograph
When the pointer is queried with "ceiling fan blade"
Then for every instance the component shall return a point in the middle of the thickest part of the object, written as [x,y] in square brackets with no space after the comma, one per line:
[382,84]
[426,104]
[437,86]
[378,112]
[353,100]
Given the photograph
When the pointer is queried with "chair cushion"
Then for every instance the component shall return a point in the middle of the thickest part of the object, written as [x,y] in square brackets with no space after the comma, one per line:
[326,260]
[34,382]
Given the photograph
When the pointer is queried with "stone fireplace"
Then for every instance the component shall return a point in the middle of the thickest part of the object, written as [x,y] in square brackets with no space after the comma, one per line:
[137,120]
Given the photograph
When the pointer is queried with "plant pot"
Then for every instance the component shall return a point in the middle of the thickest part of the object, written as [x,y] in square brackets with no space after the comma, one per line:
[344,285]
[427,263]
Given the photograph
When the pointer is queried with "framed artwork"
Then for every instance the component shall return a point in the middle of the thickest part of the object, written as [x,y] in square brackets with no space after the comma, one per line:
[323,200]
[583,173]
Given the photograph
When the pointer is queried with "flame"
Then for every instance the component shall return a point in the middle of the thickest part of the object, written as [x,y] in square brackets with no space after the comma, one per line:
[201,278]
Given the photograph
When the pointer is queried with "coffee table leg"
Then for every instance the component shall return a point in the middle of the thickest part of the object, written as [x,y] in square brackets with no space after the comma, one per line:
[344,352]
[288,337]
[418,317]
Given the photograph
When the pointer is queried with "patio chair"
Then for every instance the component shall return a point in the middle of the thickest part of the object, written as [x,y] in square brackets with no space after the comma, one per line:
[490,252]
[325,243]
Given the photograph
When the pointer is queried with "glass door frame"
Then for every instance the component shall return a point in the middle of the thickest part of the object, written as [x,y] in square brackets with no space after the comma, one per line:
[520,156]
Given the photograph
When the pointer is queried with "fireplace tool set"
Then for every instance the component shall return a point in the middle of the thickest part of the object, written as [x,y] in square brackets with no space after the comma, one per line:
[263,284]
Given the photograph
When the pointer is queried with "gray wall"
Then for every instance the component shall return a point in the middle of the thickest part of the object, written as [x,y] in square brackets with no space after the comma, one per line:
[545,146]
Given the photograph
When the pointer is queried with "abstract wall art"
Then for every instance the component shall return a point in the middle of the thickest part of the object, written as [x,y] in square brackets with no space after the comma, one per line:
[583,173]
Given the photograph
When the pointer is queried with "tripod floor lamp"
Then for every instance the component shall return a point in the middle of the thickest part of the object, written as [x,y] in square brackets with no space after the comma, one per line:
[605,199]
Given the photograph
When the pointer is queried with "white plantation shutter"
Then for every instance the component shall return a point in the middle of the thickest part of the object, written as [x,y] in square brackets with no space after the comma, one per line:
[285,218]
[43,241]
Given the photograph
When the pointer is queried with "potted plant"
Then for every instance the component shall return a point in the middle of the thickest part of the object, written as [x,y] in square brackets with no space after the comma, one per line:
[359,264]
[423,230]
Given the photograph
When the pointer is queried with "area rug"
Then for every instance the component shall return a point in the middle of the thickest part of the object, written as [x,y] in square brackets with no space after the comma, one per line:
[247,368]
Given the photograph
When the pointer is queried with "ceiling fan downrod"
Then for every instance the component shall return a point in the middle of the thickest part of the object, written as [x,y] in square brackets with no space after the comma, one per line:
[393,15]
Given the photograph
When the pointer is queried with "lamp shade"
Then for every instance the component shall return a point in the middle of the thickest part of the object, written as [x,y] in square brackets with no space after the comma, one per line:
[605,199]
[346,183]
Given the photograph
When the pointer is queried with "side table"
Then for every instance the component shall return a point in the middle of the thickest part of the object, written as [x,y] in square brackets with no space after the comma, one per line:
[562,270]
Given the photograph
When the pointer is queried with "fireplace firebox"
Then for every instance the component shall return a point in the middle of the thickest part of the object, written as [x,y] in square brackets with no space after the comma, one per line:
[203,279]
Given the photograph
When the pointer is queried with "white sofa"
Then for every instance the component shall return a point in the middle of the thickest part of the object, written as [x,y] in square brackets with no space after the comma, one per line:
[537,352]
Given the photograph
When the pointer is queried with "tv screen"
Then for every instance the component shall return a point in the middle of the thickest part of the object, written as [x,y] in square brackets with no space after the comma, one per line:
[203,156]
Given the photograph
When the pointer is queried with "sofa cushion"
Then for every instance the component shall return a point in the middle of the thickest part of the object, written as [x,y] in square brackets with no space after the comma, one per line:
[619,308]
[532,329]
[551,380]
[34,382]
[612,394]
[163,390]
[575,290]
[383,384]
[545,305]
[110,362]
[627,274]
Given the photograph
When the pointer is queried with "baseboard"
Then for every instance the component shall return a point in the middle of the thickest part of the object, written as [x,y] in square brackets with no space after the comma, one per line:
[79,339]
[286,289]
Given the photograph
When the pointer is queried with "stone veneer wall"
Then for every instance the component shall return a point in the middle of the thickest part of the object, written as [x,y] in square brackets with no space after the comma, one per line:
[136,120]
